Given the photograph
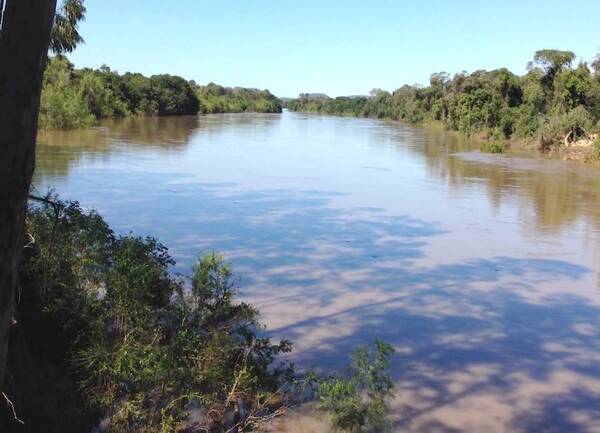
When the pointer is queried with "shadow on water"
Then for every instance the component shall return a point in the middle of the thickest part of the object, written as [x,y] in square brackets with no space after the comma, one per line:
[485,344]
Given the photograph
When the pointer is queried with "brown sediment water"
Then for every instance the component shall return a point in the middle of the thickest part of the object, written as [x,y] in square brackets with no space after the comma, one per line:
[482,270]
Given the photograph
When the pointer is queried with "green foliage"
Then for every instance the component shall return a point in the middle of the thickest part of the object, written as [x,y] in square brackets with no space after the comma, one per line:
[573,87]
[551,62]
[137,93]
[77,98]
[496,142]
[359,403]
[61,104]
[553,59]
[101,92]
[596,149]
[65,35]
[564,127]
[174,95]
[552,101]
[219,99]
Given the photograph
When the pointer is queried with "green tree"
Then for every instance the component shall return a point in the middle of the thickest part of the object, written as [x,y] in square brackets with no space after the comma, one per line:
[65,33]
[551,62]
[62,105]
[174,95]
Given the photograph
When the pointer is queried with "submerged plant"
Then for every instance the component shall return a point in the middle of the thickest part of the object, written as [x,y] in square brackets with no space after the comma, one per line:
[496,143]
[359,403]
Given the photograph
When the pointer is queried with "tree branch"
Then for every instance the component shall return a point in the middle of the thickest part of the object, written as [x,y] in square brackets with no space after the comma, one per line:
[12,406]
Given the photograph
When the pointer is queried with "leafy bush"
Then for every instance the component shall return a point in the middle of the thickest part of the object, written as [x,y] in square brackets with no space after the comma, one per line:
[145,351]
[563,128]
[61,105]
[359,403]
[596,149]
[496,142]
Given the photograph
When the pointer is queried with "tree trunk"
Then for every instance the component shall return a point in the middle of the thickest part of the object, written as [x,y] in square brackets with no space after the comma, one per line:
[24,38]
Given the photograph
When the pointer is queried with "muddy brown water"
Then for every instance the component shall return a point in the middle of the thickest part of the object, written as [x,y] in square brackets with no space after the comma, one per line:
[482,270]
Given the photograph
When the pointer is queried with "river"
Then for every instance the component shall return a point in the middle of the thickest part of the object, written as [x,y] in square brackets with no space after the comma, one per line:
[483,271]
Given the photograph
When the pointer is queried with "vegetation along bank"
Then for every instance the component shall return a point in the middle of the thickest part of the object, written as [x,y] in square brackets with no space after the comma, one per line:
[555,106]
[77,98]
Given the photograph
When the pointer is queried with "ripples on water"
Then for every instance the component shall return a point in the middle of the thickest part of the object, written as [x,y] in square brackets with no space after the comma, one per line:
[482,270]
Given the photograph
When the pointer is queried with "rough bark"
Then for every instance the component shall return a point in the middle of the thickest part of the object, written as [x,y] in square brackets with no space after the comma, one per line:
[24,39]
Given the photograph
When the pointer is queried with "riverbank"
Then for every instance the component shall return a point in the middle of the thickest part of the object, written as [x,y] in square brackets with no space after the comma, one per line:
[584,150]
[555,106]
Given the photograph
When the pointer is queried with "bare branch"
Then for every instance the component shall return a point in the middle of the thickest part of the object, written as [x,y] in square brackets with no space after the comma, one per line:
[12,406]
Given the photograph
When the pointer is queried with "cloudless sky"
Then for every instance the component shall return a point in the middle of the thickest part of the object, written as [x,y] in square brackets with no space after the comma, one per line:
[339,47]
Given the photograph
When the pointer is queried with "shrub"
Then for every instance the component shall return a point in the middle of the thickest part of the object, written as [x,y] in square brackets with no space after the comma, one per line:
[496,142]
[359,403]
[62,107]
[562,128]
[596,149]
[144,350]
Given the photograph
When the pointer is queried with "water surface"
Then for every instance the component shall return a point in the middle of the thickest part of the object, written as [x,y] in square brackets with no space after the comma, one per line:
[481,270]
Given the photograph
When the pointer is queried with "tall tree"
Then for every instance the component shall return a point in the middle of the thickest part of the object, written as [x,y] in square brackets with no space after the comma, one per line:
[24,39]
[551,62]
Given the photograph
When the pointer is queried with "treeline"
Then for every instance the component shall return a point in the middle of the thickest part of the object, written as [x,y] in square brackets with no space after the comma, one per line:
[554,102]
[73,98]
[77,98]
[219,99]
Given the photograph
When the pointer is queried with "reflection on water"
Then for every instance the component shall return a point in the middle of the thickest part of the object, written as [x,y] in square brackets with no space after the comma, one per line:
[481,270]
[59,150]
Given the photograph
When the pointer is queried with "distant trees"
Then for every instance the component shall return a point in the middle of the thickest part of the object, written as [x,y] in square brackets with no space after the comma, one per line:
[74,98]
[62,104]
[219,99]
[174,95]
[551,62]
[553,102]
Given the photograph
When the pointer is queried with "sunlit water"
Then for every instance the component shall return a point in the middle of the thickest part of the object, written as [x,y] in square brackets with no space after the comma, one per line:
[481,270]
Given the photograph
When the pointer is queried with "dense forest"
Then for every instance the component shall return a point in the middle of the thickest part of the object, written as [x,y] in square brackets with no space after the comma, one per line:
[554,103]
[76,98]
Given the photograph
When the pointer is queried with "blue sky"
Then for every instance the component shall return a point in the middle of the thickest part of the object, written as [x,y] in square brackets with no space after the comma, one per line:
[337,47]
